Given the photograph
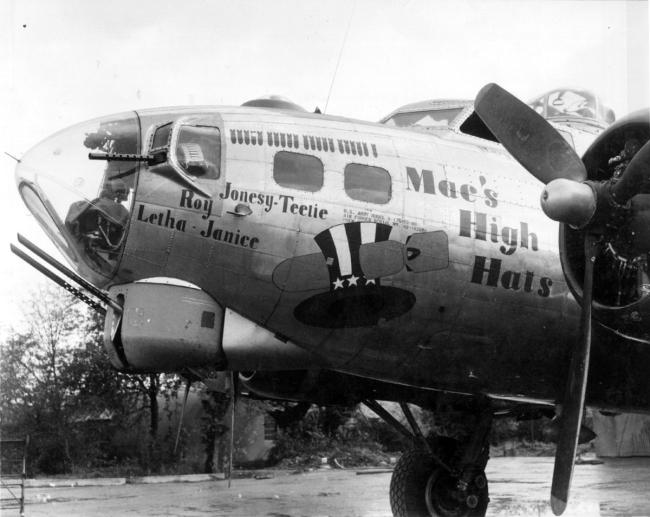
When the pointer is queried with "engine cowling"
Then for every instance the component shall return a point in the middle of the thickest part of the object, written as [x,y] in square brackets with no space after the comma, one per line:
[621,279]
[167,327]
[163,328]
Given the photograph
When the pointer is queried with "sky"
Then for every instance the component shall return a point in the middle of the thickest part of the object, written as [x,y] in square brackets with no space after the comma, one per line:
[65,61]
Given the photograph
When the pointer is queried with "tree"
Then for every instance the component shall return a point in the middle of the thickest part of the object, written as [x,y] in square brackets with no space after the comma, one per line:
[15,400]
[36,363]
[57,375]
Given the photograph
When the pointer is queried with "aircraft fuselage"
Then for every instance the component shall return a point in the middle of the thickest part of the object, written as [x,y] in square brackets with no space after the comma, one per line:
[403,256]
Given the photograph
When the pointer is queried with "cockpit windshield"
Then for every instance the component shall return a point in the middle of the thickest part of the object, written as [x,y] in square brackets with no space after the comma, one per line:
[83,204]
[432,118]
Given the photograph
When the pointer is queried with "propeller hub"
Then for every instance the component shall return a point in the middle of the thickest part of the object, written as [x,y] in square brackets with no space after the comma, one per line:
[569,202]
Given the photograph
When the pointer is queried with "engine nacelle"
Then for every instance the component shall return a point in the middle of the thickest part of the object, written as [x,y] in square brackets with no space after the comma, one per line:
[170,327]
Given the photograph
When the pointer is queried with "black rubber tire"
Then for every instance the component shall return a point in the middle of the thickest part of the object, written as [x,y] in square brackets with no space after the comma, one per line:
[409,482]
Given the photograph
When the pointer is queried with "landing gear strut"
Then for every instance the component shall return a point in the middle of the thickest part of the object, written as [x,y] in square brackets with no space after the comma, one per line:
[440,476]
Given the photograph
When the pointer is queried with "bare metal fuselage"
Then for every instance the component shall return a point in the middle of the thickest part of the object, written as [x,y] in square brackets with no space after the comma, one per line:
[490,312]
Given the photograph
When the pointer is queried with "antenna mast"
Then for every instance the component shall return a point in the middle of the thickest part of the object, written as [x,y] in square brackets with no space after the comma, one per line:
[338,61]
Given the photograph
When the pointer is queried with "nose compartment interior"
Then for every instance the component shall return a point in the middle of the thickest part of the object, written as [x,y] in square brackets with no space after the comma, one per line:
[84,205]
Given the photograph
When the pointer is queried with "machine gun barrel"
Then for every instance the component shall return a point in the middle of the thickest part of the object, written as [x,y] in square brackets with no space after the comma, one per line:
[57,279]
[67,272]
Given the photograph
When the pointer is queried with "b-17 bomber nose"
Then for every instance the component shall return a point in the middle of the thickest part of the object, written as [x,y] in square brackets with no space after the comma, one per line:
[84,205]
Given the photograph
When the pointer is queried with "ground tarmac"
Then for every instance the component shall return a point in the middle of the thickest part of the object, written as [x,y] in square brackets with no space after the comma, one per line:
[518,487]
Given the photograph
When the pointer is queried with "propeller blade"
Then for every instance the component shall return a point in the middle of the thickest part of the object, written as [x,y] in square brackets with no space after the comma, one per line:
[180,421]
[635,174]
[527,136]
[574,397]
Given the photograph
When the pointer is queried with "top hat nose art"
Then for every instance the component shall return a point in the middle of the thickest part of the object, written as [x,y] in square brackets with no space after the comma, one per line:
[354,299]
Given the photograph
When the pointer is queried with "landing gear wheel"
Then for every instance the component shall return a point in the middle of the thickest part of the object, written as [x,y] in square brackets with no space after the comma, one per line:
[421,488]
[441,500]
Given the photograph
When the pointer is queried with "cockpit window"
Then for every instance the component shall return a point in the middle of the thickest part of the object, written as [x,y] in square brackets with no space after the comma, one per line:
[198,150]
[161,137]
[428,118]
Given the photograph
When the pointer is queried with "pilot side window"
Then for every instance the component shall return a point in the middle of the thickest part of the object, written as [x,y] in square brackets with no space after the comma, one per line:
[367,183]
[299,171]
[199,151]
[161,136]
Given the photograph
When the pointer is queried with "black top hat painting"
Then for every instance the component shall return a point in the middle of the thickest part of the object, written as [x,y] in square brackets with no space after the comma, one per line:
[356,297]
